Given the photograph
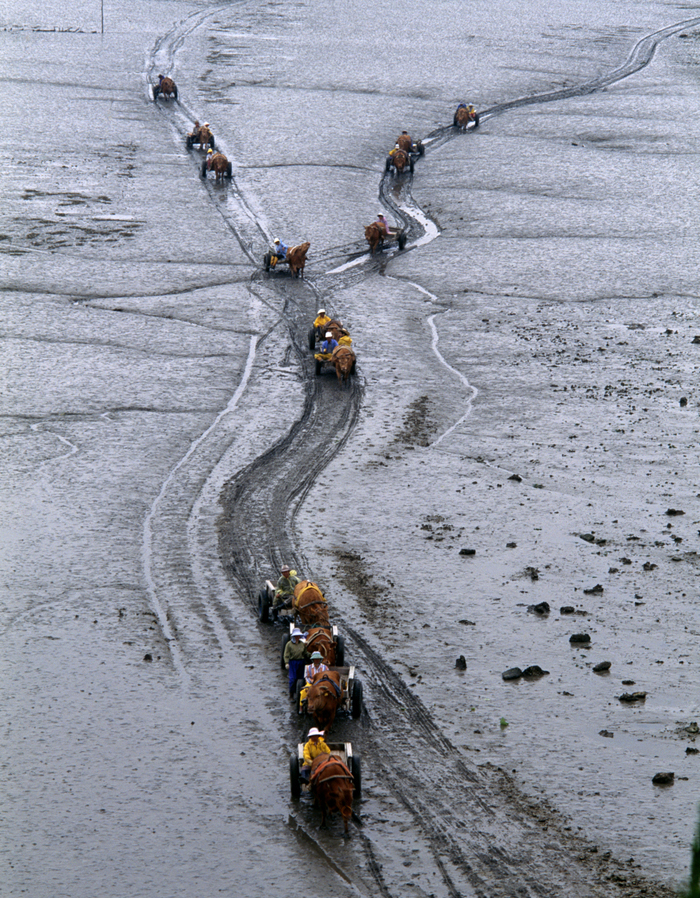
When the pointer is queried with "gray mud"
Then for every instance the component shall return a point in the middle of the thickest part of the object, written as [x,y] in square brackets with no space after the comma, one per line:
[166,445]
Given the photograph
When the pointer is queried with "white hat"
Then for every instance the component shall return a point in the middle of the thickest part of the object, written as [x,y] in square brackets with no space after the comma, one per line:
[380,215]
[329,334]
[277,240]
[316,655]
[297,632]
[321,311]
[314,732]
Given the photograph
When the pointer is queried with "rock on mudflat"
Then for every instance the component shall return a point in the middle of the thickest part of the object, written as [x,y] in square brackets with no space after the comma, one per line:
[674,512]
[602,666]
[607,734]
[629,697]
[461,663]
[580,638]
[596,590]
[542,608]
[467,551]
[663,779]
[513,673]
[567,609]
[534,672]
[690,750]
[517,478]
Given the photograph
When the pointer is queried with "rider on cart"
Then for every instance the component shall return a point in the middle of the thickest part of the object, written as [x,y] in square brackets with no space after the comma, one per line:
[315,746]
[278,252]
[284,593]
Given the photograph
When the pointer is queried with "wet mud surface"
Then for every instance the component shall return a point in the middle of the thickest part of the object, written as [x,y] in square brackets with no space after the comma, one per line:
[522,430]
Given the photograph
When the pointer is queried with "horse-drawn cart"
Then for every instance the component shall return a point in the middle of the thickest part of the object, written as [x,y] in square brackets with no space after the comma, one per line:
[350,699]
[295,258]
[378,240]
[340,750]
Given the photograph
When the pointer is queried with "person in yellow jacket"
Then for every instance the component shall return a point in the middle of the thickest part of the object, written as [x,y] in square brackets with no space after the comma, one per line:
[321,319]
[314,747]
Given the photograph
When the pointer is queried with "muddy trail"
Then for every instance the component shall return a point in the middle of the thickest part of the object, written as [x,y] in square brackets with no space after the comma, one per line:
[472,830]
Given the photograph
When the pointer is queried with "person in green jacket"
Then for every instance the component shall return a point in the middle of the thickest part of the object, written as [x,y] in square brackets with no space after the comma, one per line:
[295,656]
[284,593]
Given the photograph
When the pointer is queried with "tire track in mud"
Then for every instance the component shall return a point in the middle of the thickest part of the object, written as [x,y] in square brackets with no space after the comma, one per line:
[483,837]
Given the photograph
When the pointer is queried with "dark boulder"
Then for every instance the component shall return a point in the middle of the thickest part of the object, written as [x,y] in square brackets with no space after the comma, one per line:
[602,667]
[596,590]
[630,697]
[534,672]
[461,663]
[542,608]
[513,673]
[580,639]
[663,779]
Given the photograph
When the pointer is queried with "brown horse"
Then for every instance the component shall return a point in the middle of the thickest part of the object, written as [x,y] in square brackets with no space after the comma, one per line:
[320,640]
[166,87]
[219,164]
[401,160]
[343,360]
[336,328]
[310,605]
[323,698]
[332,785]
[464,116]
[296,256]
[374,235]
[404,142]
[203,137]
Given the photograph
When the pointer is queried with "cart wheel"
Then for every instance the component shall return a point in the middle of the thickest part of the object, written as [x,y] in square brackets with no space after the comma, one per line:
[229,170]
[476,120]
[212,143]
[354,366]
[357,699]
[285,640]
[340,652]
[356,775]
[156,91]
[294,781]
[204,169]
[263,607]
[312,338]
[411,165]
[297,698]
[421,148]
[266,261]
[402,241]
[317,367]
[387,167]
[175,91]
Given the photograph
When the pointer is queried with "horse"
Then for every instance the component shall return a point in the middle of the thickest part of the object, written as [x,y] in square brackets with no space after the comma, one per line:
[339,332]
[332,785]
[166,87]
[308,603]
[400,160]
[374,235]
[320,640]
[463,116]
[404,142]
[204,137]
[323,698]
[343,360]
[219,164]
[296,257]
